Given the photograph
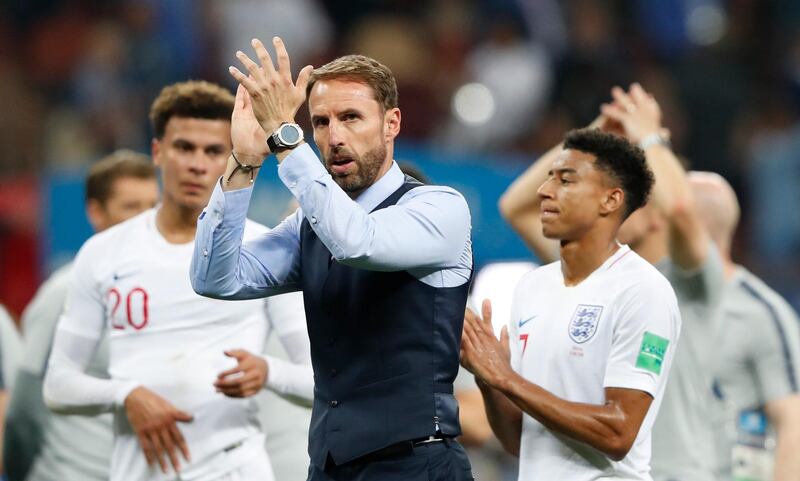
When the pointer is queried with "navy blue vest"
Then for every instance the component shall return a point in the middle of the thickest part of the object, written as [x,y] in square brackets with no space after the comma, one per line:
[385,349]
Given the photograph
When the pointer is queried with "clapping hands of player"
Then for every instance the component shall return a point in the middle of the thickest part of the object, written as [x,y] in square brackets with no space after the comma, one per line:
[244,380]
[636,111]
[154,420]
[275,97]
[482,353]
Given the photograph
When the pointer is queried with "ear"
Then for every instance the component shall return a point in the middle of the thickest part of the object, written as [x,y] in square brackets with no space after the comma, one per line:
[155,149]
[96,214]
[391,124]
[613,200]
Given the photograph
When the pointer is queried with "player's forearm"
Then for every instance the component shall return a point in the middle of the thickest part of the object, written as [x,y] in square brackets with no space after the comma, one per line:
[504,417]
[520,207]
[787,462]
[68,389]
[672,196]
[787,427]
[294,381]
[601,426]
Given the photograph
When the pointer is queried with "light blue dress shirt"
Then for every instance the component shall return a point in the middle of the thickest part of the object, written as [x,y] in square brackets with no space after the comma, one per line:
[427,233]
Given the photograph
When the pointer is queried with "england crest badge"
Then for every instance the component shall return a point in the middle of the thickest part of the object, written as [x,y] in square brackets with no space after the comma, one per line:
[584,322]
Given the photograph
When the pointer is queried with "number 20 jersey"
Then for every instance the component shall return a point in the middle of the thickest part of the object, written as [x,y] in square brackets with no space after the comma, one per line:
[133,285]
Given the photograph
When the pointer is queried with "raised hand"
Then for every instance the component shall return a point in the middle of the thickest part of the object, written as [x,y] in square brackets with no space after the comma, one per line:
[275,98]
[244,380]
[154,420]
[482,353]
[249,139]
[636,111]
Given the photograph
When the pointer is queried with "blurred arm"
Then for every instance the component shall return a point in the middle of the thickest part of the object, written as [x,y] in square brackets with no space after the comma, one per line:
[292,379]
[519,205]
[784,414]
[69,390]
[640,116]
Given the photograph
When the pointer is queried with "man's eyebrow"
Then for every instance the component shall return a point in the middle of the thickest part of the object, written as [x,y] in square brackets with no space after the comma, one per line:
[563,170]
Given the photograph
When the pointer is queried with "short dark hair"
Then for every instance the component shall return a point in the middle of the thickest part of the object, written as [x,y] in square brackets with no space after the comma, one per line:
[360,68]
[624,162]
[192,99]
[119,164]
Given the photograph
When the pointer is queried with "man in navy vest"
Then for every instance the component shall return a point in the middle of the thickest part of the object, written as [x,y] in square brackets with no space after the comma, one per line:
[383,261]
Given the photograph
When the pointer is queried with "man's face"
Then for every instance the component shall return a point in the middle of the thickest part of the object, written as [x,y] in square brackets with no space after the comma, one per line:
[192,154]
[129,197]
[352,132]
[572,196]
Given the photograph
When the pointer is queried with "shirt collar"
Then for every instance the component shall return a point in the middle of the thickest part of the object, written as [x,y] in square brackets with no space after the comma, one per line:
[382,188]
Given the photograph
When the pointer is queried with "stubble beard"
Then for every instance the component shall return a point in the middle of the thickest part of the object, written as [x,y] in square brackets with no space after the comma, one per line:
[366,172]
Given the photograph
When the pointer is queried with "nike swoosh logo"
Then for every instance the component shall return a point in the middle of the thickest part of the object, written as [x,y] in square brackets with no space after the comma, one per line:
[118,276]
[522,323]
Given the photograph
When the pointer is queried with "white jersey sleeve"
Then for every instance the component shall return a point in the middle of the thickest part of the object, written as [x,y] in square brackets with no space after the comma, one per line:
[646,330]
[67,388]
[293,378]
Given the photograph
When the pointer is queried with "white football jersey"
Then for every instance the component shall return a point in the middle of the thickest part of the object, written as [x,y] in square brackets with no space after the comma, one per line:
[131,283]
[617,328]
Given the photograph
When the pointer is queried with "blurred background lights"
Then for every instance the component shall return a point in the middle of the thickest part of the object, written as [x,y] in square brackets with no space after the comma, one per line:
[706,24]
[474,104]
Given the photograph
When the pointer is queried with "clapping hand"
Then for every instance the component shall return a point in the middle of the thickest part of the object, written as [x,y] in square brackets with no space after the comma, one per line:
[275,98]
[482,353]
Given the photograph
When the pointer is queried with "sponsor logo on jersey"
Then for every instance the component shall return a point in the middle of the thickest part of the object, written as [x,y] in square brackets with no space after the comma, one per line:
[584,322]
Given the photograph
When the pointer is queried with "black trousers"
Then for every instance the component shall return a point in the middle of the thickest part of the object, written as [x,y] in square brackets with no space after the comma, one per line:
[441,461]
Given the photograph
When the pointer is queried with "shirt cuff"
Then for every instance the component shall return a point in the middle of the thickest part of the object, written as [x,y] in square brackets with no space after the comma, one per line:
[229,208]
[300,168]
[122,390]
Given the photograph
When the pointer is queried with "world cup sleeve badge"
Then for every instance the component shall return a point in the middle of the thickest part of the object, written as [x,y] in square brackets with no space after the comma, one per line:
[584,322]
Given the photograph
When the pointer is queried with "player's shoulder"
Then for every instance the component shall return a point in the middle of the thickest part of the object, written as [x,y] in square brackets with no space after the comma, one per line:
[640,278]
[541,274]
[752,294]
[116,236]
[444,193]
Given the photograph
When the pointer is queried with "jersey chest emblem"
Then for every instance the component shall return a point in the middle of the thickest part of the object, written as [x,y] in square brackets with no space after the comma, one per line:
[584,322]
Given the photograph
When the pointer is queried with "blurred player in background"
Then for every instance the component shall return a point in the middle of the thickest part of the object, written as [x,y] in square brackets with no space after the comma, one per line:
[10,353]
[668,233]
[177,361]
[54,447]
[591,338]
[758,360]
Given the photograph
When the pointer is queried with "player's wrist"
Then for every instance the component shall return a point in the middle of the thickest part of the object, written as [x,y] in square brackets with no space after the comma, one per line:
[124,393]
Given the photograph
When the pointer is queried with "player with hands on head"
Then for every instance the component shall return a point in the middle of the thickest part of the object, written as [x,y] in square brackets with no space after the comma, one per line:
[591,337]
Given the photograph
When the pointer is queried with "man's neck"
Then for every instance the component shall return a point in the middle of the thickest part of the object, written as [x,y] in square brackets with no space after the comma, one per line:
[177,224]
[581,257]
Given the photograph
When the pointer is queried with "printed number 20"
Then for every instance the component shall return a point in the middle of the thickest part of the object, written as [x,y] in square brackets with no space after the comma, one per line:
[137,293]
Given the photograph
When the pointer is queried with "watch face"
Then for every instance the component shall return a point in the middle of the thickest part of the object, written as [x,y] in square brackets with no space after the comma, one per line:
[290,135]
